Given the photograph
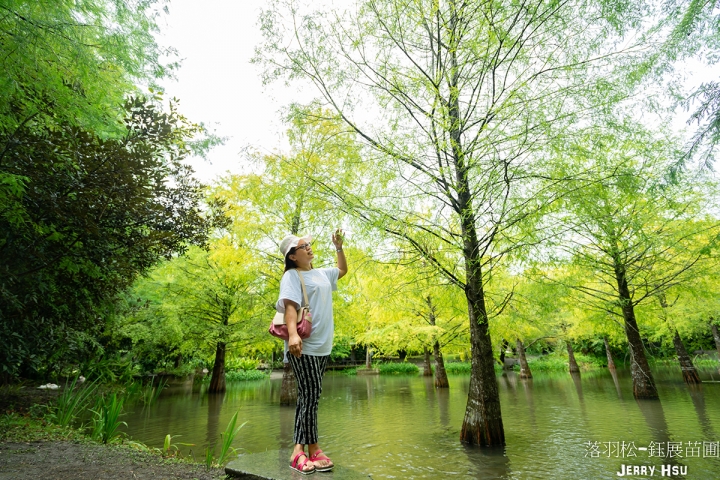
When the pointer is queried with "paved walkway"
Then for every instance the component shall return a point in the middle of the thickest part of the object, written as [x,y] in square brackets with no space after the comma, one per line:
[275,465]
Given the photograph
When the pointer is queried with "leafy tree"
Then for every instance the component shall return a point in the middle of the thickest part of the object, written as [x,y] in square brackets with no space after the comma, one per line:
[85,216]
[215,295]
[693,34]
[74,62]
[638,232]
[455,101]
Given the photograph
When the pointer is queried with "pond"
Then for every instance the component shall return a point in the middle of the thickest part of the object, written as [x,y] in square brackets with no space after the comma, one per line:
[556,425]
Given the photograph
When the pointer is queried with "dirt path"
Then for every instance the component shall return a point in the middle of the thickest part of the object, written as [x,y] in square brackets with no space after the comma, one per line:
[67,460]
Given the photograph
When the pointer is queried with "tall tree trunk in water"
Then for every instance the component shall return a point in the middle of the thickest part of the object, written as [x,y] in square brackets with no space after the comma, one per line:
[288,388]
[217,382]
[524,368]
[441,380]
[643,381]
[482,424]
[573,366]
[689,371]
[611,363]
[716,336]
[368,358]
[427,368]
[503,348]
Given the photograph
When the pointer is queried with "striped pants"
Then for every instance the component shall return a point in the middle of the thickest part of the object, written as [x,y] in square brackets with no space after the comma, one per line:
[308,371]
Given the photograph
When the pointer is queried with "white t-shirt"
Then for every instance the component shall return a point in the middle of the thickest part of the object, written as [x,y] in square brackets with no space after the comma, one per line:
[320,283]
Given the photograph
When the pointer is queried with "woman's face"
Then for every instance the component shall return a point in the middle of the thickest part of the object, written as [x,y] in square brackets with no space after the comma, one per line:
[303,253]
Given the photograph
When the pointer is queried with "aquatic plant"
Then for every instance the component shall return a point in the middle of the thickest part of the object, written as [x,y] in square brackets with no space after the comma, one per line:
[227,437]
[107,417]
[226,448]
[71,402]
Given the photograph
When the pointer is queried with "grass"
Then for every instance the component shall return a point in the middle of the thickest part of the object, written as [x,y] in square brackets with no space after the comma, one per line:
[398,368]
[18,428]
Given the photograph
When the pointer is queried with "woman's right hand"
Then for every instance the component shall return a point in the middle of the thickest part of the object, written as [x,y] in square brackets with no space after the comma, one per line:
[295,344]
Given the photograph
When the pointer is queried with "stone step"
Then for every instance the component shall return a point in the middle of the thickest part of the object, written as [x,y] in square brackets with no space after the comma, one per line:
[275,465]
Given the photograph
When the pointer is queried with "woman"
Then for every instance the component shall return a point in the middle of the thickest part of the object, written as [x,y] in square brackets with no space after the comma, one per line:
[309,357]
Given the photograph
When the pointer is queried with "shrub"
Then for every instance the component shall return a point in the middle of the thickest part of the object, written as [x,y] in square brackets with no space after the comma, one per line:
[398,368]
[240,376]
[458,368]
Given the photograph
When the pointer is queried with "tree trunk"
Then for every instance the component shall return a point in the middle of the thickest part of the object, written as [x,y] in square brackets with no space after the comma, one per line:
[716,337]
[643,381]
[524,368]
[368,358]
[217,382]
[573,366]
[503,348]
[441,380]
[288,388]
[689,371]
[427,368]
[482,424]
[611,363]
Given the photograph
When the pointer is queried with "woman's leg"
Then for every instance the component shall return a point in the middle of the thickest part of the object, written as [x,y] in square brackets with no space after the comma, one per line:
[308,370]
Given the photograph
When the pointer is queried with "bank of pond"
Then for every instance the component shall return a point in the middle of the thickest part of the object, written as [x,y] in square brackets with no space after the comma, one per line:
[397,424]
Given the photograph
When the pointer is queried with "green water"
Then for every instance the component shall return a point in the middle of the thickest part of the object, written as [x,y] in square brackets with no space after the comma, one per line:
[402,427]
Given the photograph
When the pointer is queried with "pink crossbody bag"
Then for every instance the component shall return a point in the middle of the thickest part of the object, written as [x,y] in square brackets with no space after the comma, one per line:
[279,329]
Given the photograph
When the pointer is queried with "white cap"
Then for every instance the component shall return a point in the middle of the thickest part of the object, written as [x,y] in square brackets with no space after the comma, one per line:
[291,241]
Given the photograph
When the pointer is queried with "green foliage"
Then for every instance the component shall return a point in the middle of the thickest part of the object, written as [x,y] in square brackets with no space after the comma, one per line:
[16,428]
[106,419]
[228,436]
[458,368]
[557,362]
[97,213]
[226,448]
[209,457]
[72,402]
[242,363]
[73,63]
[241,376]
[398,368]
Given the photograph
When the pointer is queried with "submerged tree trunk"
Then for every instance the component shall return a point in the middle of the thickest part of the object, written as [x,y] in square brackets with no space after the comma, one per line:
[689,371]
[716,337]
[572,364]
[503,348]
[441,379]
[524,368]
[288,388]
[217,382]
[482,424]
[611,363]
[427,368]
[643,381]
